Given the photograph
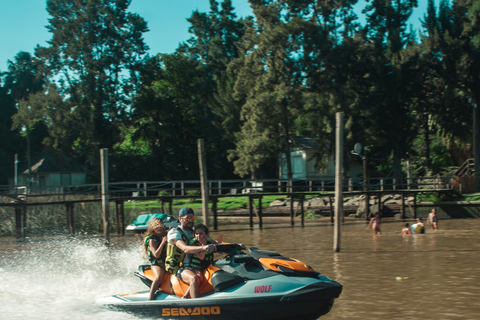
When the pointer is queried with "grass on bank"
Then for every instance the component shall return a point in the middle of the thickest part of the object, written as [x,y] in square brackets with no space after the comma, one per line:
[226,204]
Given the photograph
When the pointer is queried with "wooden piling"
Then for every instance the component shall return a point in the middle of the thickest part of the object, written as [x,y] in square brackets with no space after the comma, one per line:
[367,206]
[250,206]
[120,214]
[105,195]
[338,181]
[292,212]
[402,206]
[214,212]
[18,222]
[70,218]
[202,162]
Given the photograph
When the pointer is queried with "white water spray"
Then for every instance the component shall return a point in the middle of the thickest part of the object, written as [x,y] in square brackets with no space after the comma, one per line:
[61,279]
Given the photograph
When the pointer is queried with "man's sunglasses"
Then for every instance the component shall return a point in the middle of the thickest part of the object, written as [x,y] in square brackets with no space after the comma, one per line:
[189,218]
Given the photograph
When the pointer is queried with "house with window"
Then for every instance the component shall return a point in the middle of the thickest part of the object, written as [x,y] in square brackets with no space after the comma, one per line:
[303,155]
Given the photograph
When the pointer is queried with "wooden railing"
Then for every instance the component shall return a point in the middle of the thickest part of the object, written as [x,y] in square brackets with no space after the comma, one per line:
[466,169]
[233,187]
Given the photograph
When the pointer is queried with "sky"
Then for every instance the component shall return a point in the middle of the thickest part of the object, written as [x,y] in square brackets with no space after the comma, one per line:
[22,23]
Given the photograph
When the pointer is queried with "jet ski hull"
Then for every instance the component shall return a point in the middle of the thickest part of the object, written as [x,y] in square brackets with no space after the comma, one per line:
[251,308]
[307,302]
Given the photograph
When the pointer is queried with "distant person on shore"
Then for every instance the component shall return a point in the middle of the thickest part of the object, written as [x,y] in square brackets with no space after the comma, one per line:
[375,223]
[406,229]
[155,246]
[433,219]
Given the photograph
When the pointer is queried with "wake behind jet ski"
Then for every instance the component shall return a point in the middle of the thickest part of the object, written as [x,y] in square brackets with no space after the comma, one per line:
[259,285]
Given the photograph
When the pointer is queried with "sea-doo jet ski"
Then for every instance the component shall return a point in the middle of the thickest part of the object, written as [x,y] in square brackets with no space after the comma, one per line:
[259,285]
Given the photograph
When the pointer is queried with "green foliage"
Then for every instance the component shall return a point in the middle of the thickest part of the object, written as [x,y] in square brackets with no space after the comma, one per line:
[429,197]
[93,54]
[310,214]
[248,87]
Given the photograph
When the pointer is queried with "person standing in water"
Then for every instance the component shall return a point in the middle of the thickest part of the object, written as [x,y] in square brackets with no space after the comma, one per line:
[375,223]
[433,219]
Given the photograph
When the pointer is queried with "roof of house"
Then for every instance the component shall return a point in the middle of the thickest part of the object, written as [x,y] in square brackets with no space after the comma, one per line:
[51,163]
[303,143]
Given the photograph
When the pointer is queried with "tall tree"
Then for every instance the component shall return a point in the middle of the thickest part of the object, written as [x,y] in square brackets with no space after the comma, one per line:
[11,142]
[214,44]
[22,80]
[93,55]
[171,113]
[393,76]
[267,80]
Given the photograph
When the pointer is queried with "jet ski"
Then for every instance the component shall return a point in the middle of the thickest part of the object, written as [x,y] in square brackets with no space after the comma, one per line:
[259,285]
[140,224]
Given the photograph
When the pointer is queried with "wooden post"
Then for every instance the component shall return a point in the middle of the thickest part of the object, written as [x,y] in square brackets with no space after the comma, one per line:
[332,212]
[70,219]
[120,211]
[402,206]
[338,181]
[18,222]
[292,213]
[21,222]
[302,199]
[260,213]
[24,227]
[202,162]
[162,204]
[214,211]
[250,205]
[105,195]
[380,204]
[414,206]
[367,206]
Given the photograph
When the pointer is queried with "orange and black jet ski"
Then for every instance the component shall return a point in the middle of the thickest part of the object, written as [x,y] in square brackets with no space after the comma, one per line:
[259,285]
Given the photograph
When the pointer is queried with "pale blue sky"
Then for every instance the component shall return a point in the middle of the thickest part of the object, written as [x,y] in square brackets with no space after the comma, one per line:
[22,23]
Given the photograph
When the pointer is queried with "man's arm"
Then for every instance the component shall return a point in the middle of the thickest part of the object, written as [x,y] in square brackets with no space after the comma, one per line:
[193,249]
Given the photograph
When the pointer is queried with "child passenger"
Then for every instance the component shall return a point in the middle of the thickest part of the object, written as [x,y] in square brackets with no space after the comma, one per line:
[200,261]
[155,246]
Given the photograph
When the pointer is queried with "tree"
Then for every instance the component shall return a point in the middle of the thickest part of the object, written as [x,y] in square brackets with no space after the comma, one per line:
[171,113]
[214,44]
[93,55]
[10,140]
[268,82]
[393,77]
[22,80]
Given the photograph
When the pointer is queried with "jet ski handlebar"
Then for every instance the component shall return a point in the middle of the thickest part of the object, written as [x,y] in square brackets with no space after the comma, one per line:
[230,249]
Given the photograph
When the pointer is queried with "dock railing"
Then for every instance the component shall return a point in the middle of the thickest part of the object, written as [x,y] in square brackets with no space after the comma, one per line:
[233,187]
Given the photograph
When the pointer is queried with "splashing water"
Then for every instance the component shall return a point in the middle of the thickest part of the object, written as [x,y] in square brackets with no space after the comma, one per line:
[61,279]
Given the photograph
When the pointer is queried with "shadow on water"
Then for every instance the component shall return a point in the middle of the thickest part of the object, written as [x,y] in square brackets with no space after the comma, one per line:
[387,276]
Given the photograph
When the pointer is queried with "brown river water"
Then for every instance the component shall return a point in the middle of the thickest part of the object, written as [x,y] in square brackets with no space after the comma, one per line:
[389,276]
